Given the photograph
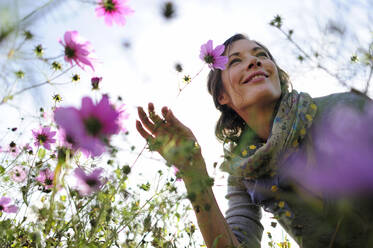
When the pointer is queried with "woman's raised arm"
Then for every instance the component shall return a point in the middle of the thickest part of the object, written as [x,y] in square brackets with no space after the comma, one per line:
[177,144]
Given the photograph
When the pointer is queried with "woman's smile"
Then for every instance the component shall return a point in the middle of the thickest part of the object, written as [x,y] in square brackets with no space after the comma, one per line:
[255,77]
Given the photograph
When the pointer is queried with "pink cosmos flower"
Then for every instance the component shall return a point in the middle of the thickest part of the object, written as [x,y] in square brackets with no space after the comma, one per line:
[46,177]
[90,127]
[77,49]
[18,174]
[89,183]
[113,10]
[44,137]
[213,56]
[5,207]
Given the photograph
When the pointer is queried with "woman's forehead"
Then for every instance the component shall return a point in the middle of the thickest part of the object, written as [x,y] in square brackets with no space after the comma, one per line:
[242,46]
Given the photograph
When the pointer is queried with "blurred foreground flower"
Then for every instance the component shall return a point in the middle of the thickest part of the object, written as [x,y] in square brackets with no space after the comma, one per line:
[46,177]
[18,174]
[123,116]
[90,127]
[5,207]
[89,183]
[343,164]
[77,49]
[113,11]
[213,56]
[44,137]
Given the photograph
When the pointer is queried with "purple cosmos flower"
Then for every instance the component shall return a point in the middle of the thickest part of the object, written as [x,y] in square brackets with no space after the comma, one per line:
[113,11]
[342,161]
[5,207]
[89,183]
[213,56]
[46,178]
[18,174]
[44,137]
[90,127]
[77,49]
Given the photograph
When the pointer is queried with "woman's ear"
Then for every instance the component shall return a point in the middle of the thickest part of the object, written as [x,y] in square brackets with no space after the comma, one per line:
[223,98]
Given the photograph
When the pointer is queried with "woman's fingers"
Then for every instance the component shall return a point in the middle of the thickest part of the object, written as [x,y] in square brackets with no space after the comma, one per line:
[149,138]
[170,118]
[154,117]
[142,131]
[145,120]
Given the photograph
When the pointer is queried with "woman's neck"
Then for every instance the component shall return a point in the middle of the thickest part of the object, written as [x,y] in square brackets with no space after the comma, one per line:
[259,119]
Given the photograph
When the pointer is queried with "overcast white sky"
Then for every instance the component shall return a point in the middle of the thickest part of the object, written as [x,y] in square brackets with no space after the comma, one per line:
[145,71]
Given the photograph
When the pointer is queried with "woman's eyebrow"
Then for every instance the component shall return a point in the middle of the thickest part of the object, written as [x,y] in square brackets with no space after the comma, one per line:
[256,49]
[252,51]
[234,54]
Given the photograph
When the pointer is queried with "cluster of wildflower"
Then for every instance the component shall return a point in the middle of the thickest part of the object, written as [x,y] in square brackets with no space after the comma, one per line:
[36,177]
[87,129]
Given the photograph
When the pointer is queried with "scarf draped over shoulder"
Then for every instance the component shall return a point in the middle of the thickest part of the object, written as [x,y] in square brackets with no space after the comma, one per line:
[294,117]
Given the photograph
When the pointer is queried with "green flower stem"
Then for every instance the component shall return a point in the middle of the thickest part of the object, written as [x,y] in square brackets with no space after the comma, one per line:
[146,234]
[139,210]
[368,80]
[99,218]
[191,79]
[335,75]
[49,81]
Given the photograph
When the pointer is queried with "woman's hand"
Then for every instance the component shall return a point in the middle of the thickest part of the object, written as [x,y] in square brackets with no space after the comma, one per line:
[177,144]
[171,139]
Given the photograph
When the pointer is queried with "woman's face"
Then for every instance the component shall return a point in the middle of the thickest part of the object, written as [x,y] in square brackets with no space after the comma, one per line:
[250,78]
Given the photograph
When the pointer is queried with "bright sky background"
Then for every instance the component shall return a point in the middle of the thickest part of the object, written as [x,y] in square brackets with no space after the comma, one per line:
[145,72]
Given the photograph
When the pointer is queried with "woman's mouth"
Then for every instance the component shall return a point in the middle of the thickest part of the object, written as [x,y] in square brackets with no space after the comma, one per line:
[255,77]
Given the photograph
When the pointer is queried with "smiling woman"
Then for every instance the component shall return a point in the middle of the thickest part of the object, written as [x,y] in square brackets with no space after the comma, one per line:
[265,129]
[251,84]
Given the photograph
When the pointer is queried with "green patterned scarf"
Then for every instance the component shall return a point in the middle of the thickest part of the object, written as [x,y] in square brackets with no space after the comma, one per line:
[294,116]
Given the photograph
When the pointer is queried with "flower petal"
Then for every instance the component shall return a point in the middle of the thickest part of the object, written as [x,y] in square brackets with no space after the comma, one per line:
[4,200]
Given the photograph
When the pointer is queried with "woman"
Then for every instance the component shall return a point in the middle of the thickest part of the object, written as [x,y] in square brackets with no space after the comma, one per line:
[264,128]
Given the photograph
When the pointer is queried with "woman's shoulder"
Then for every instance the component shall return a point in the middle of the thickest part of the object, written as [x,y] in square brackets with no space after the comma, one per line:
[354,99]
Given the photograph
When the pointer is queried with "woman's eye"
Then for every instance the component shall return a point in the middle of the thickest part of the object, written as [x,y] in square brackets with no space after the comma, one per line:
[234,61]
[262,54]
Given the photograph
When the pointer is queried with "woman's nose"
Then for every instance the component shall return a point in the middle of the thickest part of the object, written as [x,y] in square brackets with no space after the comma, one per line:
[253,63]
